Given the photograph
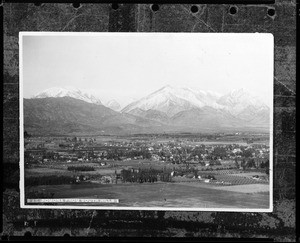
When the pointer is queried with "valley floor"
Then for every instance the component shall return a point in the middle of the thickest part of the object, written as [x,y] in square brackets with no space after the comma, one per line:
[90,168]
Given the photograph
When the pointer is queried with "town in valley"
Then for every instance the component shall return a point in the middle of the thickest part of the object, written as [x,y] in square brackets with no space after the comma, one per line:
[220,161]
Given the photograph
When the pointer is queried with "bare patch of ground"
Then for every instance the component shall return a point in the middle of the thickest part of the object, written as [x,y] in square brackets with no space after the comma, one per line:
[250,188]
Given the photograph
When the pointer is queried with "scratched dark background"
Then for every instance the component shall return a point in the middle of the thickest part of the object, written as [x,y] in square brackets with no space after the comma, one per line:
[278,225]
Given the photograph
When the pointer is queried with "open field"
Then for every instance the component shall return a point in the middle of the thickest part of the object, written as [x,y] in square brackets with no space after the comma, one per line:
[160,195]
[238,180]
[246,188]
[249,174]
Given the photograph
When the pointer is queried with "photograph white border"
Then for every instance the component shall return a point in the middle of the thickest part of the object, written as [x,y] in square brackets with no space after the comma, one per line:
[22,167]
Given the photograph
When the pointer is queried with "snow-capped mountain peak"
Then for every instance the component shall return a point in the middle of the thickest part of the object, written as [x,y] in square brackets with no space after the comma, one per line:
[68,92]
[172,100]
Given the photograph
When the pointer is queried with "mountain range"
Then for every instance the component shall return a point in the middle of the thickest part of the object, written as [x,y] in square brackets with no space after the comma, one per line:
[169,109]
[72,92]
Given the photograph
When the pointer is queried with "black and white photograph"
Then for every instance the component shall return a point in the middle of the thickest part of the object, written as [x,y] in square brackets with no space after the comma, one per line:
[146,121]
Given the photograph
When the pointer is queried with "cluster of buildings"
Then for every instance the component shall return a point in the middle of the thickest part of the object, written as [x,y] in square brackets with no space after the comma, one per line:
[173,151]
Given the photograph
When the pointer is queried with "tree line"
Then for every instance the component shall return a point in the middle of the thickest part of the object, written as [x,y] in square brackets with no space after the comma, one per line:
[81,168]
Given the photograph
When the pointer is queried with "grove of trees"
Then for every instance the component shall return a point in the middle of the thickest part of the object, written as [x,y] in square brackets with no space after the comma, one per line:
[145,175]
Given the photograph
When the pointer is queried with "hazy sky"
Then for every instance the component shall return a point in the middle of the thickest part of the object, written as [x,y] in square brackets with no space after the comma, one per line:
[128,66]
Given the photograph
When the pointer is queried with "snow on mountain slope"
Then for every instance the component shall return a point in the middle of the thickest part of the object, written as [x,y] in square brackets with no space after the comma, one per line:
[237,101]
[113,104]
[68,92]
[171,100]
